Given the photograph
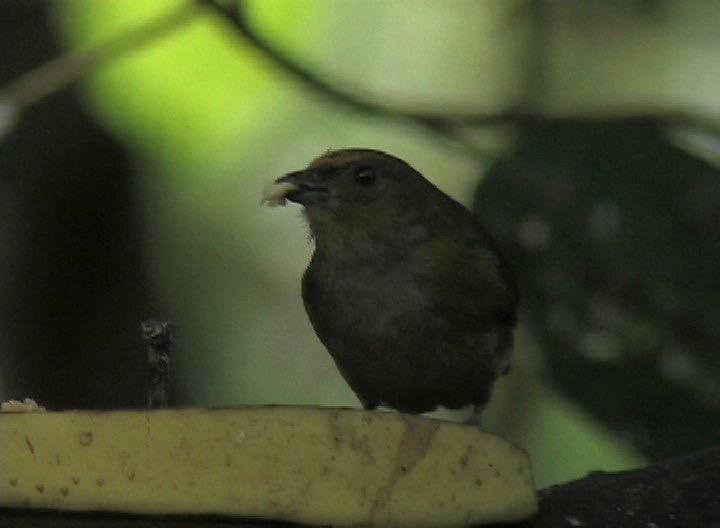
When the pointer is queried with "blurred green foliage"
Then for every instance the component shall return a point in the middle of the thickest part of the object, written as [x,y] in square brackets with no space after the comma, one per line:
[615,232]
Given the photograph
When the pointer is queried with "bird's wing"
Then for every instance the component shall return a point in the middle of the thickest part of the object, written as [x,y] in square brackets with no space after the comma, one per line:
[467,281]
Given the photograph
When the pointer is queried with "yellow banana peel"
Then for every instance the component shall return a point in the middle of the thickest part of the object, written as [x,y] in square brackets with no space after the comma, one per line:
[307,465]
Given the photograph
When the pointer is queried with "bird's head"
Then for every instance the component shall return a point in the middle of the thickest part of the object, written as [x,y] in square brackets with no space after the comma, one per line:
[359,191]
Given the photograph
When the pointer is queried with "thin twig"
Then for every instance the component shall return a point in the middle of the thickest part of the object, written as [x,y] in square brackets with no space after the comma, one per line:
[64,70]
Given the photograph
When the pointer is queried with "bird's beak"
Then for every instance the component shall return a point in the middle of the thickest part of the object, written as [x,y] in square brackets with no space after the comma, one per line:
[310,190]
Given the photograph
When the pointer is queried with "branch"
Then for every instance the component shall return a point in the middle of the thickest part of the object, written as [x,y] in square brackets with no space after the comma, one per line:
[444,125]
[453,126]
[64,70]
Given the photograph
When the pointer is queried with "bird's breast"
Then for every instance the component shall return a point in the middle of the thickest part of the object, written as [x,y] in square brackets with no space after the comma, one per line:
[364,302]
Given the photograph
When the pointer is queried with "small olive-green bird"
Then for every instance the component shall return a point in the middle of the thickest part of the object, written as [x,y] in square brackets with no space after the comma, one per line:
[408,292]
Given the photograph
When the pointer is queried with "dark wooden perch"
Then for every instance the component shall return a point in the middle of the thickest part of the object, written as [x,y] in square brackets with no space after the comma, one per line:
[680,493]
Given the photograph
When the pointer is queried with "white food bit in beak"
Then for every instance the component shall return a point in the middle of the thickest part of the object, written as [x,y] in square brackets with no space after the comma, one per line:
[274,193]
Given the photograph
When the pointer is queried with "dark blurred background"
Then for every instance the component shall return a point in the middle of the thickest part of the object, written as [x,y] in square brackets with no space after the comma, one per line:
[593,158]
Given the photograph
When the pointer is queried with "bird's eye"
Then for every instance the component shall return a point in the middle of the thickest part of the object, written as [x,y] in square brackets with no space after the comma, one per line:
[365,175]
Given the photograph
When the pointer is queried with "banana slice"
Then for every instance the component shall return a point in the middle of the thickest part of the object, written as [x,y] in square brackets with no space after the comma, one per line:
[307,465]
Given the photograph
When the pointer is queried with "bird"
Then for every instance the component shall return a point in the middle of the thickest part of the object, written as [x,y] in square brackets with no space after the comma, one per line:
[406,289]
